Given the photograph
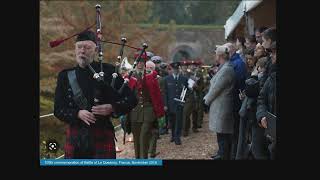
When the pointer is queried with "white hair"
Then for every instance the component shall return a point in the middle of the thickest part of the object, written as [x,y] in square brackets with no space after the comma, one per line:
[231,48]
[230,45]
[151,65]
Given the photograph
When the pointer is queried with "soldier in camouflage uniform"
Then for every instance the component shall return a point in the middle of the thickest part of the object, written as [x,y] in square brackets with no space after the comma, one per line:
[198,93]
[189,104]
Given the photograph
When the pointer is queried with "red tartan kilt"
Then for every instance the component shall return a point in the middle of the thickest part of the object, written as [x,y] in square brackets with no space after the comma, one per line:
[104,145]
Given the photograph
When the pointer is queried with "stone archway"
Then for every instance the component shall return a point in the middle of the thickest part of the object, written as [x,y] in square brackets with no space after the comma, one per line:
[183,52]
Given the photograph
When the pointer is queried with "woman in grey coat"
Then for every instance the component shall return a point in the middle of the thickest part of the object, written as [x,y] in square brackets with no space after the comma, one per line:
[220,99]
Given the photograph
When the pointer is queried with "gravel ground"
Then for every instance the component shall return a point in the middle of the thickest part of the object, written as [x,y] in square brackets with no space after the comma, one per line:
[199,145]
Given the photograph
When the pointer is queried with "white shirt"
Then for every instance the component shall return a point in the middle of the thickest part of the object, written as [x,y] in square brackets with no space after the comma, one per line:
[175,77]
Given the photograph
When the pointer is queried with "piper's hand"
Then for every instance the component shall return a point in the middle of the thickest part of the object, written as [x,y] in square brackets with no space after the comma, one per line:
[263,123]
[114,75]
[126,80]
[86,117]
[104,109]
[165,108]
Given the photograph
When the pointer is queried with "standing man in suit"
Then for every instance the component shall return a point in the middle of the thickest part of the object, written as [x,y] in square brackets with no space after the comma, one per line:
[173,85]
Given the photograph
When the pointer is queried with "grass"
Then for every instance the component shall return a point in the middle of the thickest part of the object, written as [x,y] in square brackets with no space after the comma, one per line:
[46,105]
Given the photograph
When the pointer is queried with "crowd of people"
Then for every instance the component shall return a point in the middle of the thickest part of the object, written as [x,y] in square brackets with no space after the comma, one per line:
[242,97]
[238,92]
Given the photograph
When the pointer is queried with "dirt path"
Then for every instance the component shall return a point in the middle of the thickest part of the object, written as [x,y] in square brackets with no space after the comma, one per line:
[199,145]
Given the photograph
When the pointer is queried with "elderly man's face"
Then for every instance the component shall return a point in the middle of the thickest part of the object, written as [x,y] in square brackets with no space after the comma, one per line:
[150,67]
[85,52]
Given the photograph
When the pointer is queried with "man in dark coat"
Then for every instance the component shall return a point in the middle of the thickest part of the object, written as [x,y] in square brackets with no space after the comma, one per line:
[173,85]
[90,133]
[267,101]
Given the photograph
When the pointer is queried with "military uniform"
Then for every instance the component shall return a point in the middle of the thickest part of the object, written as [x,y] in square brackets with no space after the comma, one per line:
[163,73]
[96,140]
[173,86]
[198,93]
[189,107]
[145,114]
[155,132]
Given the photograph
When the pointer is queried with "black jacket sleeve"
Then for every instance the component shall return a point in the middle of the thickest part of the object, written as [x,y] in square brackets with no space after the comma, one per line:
[64,106]
[262,101]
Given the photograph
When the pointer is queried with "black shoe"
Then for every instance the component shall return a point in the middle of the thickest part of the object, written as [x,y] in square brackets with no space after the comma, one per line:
[213,156]
[172,139]
[185,134]
[195,130]
[177,141]
[217,157]
[154,155]
[200,126]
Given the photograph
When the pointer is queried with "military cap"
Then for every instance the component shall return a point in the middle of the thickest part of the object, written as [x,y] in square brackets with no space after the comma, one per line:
[185,63]
[150,54]
[196,62]
[156,59]
[163,65]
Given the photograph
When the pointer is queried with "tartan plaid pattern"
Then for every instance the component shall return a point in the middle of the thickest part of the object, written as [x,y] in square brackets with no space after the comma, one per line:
[103,143]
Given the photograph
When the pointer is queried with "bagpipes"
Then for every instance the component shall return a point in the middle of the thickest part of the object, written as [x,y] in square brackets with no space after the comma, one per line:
[99,76]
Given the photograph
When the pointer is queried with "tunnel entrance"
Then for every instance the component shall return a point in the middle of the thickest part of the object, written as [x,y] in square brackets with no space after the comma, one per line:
[183,53]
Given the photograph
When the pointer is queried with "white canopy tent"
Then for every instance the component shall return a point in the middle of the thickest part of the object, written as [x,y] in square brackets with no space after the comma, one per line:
[234,20]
